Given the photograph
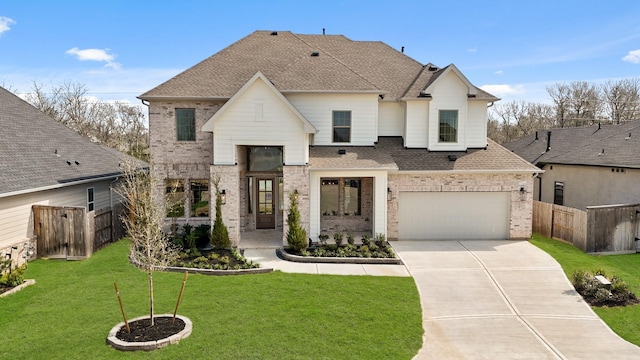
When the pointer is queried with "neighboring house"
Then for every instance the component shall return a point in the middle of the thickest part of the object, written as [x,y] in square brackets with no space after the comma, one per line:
[371,140]
[585,166]
[42,162]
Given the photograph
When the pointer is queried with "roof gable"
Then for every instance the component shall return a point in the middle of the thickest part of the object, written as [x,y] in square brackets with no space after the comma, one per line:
[209,125]
[438,76]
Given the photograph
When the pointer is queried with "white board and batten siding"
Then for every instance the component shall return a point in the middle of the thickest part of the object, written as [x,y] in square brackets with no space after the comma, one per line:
[390,118]
[453,215]
[258,117]
[417,124]
[476,127]
[16,218]
[449,93]
[318,109]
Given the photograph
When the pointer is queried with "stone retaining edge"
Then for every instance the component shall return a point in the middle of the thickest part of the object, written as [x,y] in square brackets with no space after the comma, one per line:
[336,260]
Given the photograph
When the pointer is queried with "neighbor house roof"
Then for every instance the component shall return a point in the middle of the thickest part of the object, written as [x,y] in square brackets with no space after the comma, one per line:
[598,145]
[38,152]
[302,63]
[390,154]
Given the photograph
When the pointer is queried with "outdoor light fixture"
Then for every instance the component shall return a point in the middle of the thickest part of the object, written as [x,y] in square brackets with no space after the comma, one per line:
[523,193]
[223,197]
[388,194]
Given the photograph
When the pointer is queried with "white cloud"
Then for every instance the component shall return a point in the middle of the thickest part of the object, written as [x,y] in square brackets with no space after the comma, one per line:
[499,72]
[472,50]
[633,57]
[5,24]
[503,89]
[95,55]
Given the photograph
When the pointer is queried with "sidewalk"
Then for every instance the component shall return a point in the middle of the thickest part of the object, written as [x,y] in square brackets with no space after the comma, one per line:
[267,259]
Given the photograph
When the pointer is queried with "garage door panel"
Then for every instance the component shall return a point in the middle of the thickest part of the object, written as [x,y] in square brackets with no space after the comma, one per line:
[453,215]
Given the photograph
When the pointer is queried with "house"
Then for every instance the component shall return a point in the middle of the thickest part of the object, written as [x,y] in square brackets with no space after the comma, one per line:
[369,140]
[43,163]
[585,166]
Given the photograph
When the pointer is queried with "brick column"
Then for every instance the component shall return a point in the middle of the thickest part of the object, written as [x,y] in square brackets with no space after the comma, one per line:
[296,177]
[229,176]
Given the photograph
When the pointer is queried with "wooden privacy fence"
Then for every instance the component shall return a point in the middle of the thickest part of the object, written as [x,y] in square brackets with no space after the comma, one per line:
[69,233]
[609,228]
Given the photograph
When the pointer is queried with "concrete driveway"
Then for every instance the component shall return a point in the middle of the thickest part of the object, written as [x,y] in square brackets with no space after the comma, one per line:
[503,300]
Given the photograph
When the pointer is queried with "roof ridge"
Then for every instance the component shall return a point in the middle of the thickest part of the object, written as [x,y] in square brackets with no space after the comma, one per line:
[415,79]
[340,62]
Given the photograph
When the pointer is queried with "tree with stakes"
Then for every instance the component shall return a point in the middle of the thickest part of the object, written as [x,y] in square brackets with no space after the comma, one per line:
[144,223]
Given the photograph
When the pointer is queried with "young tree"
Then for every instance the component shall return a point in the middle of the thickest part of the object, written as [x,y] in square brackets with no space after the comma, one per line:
[296,235]
[219,234]
[144,222]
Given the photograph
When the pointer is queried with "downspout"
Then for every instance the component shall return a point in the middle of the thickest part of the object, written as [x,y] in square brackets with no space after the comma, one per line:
[539,187]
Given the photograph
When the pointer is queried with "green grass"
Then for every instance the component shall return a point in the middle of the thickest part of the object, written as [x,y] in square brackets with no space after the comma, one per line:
[623,320]
[71,308]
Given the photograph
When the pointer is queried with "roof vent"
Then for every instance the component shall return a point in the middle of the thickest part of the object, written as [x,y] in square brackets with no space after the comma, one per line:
[452,157]
[315,53]
[402,50]
[342,151]
[433,68]
[471,95]
[68,162]
[274,33]
[628,137]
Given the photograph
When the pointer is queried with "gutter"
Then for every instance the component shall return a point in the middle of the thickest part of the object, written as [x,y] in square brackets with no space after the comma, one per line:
[58,186]
[447,172]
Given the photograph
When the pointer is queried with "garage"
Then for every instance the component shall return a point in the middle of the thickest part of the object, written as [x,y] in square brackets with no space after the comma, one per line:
[453,215]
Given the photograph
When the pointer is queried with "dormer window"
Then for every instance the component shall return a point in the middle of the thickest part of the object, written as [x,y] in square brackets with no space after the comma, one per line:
[448,129]
[341,126]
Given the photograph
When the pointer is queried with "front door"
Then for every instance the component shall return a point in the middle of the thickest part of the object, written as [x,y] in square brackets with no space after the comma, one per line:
[266,217]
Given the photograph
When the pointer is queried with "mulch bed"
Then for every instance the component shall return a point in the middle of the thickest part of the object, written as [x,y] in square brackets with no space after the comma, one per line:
[4,289]
[141,330]
[613,302]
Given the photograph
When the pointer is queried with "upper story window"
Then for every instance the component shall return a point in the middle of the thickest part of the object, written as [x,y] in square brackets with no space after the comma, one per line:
[341,126]
[448,131]
[186,124]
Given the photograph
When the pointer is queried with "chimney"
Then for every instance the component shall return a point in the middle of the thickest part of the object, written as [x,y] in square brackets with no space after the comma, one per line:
[548,141]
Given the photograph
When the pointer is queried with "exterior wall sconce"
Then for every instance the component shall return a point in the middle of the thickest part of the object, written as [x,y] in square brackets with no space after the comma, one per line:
[388,194]
[223,197]
[295,194]
[523,193]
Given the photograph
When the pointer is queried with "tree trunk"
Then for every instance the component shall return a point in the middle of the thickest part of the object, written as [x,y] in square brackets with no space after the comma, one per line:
[151,295]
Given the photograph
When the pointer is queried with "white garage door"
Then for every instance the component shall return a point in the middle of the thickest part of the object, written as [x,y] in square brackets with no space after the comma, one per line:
[453,215]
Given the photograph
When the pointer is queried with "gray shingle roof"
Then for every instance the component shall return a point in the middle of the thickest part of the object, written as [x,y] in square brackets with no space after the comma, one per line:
[342,65]
[389,153]
[605,145]
[35,149]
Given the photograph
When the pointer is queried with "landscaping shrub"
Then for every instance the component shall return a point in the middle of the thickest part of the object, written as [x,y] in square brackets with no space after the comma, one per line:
[296,235]
[220,234]
[11,277]
[337,237]
[597,294]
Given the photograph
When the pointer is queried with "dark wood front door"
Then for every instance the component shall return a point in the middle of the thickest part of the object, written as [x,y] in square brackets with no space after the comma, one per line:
[266,216]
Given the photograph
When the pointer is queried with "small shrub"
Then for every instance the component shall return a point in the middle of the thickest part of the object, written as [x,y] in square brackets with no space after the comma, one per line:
[323,239]
[366,240]
[337,237]
[296,235]
[202,235]
[350,239]
[11,277]
[190,241]
[381,240]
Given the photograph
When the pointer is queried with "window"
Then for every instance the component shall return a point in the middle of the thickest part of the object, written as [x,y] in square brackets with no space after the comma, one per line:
[186,124]
[340,197]
[199,190]
[558,193]
[351,196]
[329,196]
[265,158]
[341,126]
[448,126]
[90,201]
[175,198]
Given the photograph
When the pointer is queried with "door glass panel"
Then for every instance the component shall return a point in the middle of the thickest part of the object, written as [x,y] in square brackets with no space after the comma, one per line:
[265,196]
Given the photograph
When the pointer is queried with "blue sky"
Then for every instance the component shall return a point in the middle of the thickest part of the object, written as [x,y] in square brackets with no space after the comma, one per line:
[513,49]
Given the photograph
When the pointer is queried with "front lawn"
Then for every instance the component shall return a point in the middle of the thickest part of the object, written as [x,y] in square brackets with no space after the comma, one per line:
[623,320]
[71,308]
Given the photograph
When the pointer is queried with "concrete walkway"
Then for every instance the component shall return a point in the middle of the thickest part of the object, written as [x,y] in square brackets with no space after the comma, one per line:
[503,300]
[488,300]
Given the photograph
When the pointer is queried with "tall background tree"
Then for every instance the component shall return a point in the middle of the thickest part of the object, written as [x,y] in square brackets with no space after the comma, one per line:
[117,125]
[577,103]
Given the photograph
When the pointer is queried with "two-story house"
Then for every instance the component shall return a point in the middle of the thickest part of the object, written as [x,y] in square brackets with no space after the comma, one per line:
[371,140]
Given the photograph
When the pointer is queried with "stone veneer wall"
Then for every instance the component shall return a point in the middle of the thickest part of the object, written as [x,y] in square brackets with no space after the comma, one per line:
[25,251]
[229,176]
[521,210]
[296,177]
[184,160]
